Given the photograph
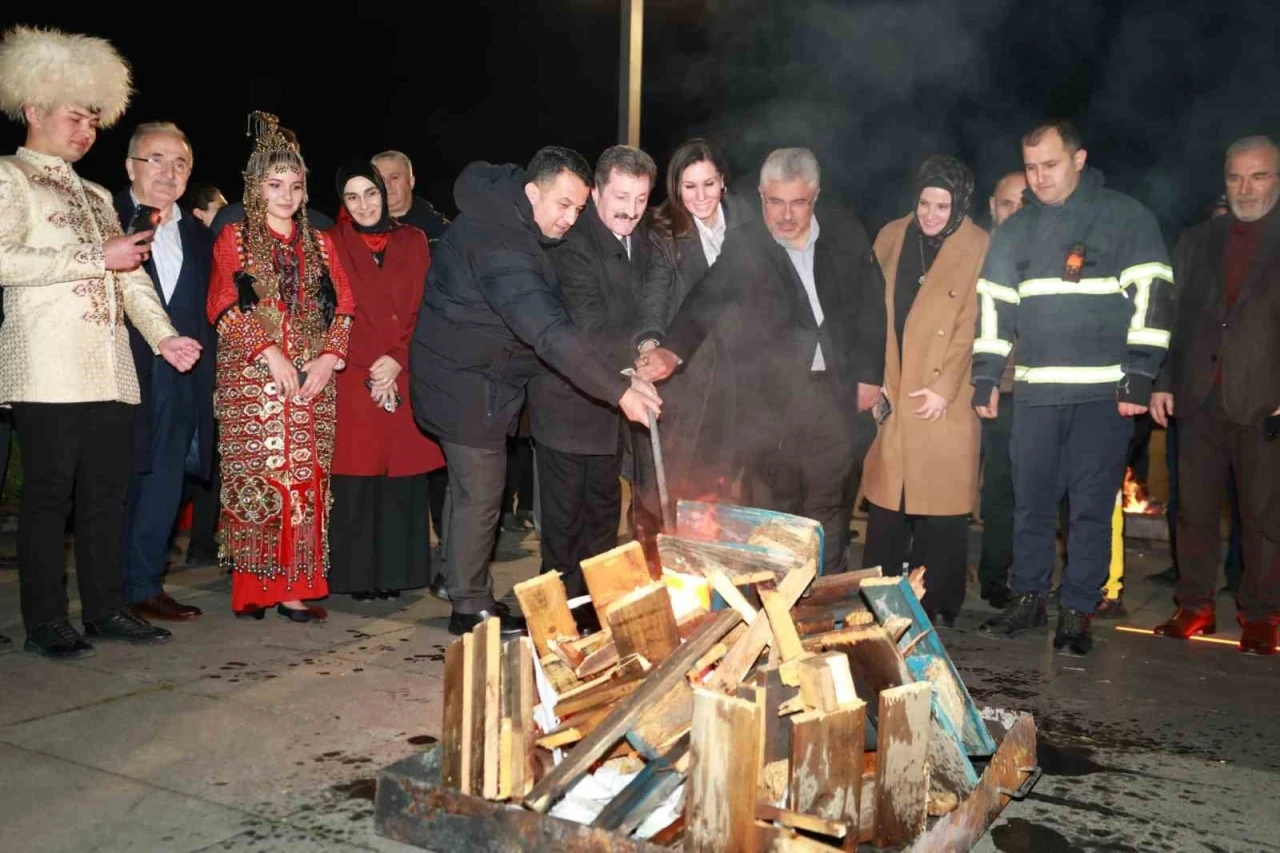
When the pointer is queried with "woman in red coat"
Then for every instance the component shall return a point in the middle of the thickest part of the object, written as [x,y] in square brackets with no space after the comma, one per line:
[380,542]
[282,308]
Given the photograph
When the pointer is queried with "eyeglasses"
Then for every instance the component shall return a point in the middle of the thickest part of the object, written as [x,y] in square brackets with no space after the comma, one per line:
[180,167]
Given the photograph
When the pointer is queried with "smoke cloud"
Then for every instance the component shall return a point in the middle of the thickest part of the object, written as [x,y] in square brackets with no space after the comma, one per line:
[876,87]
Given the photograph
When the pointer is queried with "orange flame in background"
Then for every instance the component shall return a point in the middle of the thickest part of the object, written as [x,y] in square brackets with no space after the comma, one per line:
[1135,500]
[702,526]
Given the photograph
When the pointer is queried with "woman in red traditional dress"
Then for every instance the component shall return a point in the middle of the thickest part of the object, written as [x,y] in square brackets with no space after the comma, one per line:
[379,540]
[282,307]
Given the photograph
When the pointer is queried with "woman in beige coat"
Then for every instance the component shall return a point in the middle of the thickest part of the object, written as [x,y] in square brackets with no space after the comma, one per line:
[920,472]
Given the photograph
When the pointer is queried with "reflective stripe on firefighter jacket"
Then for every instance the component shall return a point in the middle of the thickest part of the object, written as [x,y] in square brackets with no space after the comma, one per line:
[1087,290]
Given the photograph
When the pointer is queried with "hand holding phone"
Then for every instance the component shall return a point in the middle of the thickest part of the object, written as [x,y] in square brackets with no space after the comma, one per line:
[145,218]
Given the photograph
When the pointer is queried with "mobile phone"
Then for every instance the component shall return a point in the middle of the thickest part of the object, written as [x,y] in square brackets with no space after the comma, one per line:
[145,218]
[1271,428]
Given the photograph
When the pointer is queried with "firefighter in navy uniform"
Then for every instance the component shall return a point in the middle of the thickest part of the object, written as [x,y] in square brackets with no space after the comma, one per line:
[1082,276]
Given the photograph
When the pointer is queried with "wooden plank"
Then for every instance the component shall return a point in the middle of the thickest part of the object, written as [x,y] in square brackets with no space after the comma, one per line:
[795,820]
[960,830]
[546,610]
[455,730]
[779,532]
[608,693]
[874,662]
[642,622]
[844,587]
[412,807]
[785,638]
[743,655]
[902,765]
[509,702]
[891,597]
[826,682]
[731,594]
[598,661]
[664,719]
[740,563]
[488,646]
[777,736]
[725,759]
[781,839]
[524,750]
[628,670]
[666,676]
[613,574]
[651,786]
[826,763]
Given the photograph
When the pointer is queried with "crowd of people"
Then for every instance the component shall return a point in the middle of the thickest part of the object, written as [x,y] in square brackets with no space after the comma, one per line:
[322,386]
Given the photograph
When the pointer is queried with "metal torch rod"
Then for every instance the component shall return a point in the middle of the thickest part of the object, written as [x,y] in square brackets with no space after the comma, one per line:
[668,520]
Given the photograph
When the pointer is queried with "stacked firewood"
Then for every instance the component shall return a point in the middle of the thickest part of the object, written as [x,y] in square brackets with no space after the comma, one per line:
[810,713]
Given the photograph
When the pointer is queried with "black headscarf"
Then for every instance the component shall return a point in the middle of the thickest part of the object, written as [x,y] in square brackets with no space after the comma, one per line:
[364,169]
[949,174]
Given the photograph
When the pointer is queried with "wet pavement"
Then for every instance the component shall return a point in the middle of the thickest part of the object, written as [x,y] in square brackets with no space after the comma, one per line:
[249,736]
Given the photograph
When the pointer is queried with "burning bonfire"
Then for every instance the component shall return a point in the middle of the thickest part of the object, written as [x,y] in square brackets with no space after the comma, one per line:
[1135,500]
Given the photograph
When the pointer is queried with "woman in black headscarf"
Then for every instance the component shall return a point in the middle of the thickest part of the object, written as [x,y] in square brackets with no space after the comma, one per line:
[920,473]
[379,540]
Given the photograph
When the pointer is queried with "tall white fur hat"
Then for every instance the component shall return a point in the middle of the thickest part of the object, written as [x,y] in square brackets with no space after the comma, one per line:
[49,68]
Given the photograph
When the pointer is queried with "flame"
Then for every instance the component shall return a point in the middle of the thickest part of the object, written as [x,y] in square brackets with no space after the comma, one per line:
[1134,497]
[703,526]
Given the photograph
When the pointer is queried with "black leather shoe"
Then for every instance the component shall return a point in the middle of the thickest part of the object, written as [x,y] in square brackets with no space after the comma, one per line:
[388,593]
[1184,622]
[364,596]
[996,593]
[306,614]
[1259,638]
[1072,637]
[510,624]
[1024,613]
[127,628]
[438,589]
[58,640]
[251,613]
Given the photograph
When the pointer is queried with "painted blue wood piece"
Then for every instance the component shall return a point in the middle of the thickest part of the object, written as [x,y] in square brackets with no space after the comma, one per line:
[919,666]
[889,597]
[730,523]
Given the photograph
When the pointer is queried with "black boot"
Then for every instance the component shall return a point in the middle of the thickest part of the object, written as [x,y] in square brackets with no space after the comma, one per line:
[1072,637]
[1024,613]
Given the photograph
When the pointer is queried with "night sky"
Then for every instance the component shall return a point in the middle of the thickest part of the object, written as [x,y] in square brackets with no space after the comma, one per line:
[1159,89]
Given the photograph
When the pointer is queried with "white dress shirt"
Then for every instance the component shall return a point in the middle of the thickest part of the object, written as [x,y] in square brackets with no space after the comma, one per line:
[802,260]
[166,250]
[712,238]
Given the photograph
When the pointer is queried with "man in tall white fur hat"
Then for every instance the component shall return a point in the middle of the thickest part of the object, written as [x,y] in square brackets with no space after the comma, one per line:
[69,278]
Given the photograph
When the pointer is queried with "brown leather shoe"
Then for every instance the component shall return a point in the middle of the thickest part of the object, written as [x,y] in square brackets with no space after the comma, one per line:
[1259,638]
[164,608]
[1183,623]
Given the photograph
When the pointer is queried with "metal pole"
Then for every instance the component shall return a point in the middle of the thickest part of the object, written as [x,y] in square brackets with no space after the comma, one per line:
[630,60]
[668,517]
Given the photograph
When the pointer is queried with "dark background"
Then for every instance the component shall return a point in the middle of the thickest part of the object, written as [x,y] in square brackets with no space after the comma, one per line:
[1159,89]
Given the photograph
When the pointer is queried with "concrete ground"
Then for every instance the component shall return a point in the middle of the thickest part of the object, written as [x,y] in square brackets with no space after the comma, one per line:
[255,736]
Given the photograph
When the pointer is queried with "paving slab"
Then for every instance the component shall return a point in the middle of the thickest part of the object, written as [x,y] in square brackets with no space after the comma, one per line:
[35,687]
[54,805]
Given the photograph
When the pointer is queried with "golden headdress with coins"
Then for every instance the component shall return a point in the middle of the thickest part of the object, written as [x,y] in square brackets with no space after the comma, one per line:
[48,68]
[311,303]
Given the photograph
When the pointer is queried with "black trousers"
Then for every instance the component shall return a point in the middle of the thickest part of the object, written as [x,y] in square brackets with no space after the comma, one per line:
[1210,449]
[1078,450]
[519,489]
[997,495]
[812,472]
[85,451]
[938,542]
[581,503]
[206,506]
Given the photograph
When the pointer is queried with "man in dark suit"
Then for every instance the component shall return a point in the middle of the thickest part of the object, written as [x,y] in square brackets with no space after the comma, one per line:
[173,429]
[799,301]
[600,266]
[1222,381]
